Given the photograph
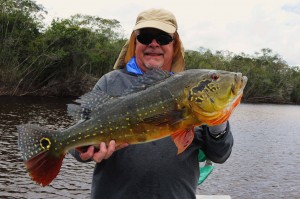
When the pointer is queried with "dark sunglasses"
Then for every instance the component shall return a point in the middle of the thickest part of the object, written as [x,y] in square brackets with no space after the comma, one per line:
[161,39]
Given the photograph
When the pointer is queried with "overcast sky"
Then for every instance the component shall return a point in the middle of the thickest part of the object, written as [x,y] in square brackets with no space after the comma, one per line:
[234,25]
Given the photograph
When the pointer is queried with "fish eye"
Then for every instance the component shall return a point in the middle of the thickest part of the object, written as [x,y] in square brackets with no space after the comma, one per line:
[214,76]
[45,143]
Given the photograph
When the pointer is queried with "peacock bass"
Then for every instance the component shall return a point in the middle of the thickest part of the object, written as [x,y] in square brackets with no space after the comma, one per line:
[158,104]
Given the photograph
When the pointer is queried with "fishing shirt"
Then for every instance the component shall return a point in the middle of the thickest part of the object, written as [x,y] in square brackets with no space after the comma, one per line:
[153,169]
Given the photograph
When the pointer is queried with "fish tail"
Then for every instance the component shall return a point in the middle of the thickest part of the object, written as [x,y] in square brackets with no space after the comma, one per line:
[42,155]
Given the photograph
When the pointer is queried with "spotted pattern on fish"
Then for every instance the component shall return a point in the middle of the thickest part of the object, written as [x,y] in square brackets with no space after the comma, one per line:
[157,105]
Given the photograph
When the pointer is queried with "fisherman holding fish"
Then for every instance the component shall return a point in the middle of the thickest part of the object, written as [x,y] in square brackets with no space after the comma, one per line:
[144,123]
[153,169]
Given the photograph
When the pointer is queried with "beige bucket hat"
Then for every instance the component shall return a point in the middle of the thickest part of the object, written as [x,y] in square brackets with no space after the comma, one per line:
[154,18]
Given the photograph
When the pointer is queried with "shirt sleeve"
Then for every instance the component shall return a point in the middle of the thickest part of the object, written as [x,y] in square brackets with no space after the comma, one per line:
[100,85]
[217,150]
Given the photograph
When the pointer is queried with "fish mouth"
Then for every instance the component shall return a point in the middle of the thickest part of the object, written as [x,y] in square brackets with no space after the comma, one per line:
[238,87]
[233,90]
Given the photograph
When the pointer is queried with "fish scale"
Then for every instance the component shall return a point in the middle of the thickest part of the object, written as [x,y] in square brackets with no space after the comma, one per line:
[157,105]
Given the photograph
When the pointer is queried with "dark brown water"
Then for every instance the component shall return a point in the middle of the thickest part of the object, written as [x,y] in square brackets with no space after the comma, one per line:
[265,162]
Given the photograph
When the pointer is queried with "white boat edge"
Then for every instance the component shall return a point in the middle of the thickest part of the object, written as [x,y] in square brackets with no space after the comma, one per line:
[213,197]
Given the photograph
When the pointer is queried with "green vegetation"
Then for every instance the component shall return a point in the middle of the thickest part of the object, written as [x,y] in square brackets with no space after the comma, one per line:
[65,58]
[69,56]
[270,79]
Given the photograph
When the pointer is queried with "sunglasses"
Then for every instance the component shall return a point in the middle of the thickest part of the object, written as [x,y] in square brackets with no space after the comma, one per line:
[161,39]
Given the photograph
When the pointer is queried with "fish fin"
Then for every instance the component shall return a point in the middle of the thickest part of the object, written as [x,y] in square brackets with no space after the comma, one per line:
[151,77]
[44,167]
[183,139]
[87,103]
[43,157]
[169,117]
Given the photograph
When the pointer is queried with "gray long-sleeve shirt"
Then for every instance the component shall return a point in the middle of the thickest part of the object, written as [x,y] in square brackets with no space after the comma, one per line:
[153,170]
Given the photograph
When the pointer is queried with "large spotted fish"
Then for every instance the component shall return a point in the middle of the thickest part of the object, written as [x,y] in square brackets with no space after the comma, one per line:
[157,105]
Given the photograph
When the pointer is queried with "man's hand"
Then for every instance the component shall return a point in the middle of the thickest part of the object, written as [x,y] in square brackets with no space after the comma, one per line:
[103,153]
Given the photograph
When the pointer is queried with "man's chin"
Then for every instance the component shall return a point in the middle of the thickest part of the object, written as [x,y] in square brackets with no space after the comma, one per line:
[153,66]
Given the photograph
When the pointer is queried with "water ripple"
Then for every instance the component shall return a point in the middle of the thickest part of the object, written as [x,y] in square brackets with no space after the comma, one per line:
[264,162]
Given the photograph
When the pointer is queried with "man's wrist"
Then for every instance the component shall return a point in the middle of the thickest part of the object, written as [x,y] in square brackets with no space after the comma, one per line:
[218,131]
[219,135]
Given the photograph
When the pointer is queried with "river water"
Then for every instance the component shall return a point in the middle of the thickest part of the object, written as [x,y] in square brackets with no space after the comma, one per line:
[265,161]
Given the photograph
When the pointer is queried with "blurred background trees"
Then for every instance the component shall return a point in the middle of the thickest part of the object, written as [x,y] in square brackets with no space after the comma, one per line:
[68,56]
[270,78]
[64,58]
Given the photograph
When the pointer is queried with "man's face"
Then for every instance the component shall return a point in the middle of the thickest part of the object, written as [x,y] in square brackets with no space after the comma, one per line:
[154,55]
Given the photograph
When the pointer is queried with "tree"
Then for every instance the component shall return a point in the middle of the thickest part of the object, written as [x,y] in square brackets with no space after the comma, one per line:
[270,79]
[70,49]
[20,21]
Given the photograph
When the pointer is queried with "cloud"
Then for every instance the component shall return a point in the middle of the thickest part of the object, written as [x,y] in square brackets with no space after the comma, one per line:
[294,8]
[233,25]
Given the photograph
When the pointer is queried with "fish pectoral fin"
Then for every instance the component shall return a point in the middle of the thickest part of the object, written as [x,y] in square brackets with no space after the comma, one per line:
[183,139]
[171,117]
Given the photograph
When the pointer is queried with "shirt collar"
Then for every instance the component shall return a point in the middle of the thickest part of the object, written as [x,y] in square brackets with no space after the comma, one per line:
[132,67]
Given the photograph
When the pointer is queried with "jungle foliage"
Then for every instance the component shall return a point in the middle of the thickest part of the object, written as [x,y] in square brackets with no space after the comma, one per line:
[270,78]
[68,56]
[63,59]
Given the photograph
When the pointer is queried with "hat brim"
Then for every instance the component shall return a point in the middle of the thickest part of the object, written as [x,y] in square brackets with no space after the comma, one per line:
[155,24]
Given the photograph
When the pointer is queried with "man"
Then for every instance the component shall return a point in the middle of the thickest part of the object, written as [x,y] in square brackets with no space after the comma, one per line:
[152,170]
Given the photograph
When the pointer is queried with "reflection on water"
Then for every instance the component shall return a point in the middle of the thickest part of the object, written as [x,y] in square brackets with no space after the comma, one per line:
[264,162]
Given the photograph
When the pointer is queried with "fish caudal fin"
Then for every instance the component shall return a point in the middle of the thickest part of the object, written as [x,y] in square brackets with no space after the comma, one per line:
[183,139]
[43,157]
[43,168]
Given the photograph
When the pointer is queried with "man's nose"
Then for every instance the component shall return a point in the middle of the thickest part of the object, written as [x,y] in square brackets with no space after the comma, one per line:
[154,43]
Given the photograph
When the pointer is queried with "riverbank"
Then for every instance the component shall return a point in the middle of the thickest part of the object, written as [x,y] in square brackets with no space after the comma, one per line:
[78,86]
[268,100]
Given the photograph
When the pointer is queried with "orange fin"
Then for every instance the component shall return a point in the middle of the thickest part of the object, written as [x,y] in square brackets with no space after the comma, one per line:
[44,167]
[183,139]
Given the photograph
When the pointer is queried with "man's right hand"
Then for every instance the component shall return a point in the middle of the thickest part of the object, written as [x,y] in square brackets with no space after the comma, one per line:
[103,153]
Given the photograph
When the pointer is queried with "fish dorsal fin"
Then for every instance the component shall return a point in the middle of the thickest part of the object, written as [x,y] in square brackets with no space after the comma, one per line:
[150,78]
[87,103]
[90,101]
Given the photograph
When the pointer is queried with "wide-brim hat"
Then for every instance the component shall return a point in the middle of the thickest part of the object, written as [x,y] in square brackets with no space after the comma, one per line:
[156,18]
[159,19]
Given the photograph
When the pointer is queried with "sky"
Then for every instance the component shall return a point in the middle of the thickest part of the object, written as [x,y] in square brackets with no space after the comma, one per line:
[237,26]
